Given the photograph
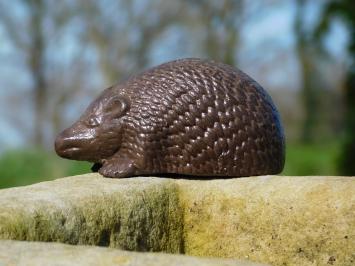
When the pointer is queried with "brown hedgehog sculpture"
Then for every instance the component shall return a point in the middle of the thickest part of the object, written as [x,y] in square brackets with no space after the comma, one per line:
[190,117]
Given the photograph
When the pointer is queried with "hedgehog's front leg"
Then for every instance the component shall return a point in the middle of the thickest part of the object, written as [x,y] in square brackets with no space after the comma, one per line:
[118,167]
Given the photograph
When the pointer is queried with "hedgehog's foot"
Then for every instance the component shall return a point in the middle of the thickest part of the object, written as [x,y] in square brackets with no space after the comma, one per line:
[118,168]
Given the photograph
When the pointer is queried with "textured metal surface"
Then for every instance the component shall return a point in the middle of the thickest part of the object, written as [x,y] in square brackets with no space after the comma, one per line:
[189,116]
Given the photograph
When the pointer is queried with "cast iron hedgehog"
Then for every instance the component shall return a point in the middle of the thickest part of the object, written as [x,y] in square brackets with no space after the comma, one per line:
[190,116]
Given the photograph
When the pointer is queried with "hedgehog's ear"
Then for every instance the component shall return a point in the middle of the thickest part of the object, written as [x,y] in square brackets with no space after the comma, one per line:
[117,106]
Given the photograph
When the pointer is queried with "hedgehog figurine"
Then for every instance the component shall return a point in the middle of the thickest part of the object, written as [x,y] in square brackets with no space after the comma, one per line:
[189,117]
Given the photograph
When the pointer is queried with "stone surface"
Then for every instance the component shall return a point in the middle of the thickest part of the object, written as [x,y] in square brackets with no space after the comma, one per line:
[134,214]
[268,219]
[36,253]
[279,220]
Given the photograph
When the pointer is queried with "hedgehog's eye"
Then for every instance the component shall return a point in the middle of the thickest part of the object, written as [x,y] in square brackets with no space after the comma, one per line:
[93,122]
[117,107]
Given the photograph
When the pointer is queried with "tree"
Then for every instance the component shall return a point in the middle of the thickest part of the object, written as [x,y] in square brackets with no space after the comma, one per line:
[220,22]
[32,45]
[308,73]
[53,84]
[123,34]
[344,9]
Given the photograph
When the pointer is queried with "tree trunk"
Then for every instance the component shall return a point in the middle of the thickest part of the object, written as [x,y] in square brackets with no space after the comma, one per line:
[308,89]
[37,69]
[228,18]
[346,164]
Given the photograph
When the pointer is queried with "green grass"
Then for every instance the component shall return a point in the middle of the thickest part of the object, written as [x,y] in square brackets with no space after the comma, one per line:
[315,159]
[24,167]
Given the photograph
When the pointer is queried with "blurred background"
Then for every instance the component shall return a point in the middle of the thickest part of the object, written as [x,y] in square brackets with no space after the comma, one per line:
[57,56]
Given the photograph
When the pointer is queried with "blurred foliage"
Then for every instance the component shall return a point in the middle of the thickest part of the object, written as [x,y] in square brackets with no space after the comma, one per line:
[334,10]
[24,167]
[314,159]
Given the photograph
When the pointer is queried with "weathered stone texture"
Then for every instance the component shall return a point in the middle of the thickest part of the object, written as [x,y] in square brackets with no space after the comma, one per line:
[43,254]
[134,214]
[280,220]
[268,219]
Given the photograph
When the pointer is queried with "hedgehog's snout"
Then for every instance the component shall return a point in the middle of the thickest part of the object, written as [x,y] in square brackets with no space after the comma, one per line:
[71,142]
[66,145]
